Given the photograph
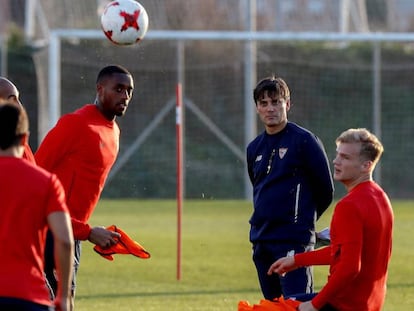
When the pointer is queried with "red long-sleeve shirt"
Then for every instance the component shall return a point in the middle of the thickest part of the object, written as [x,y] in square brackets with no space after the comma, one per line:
[81,150]
[28,195]
[28,154]
[360,250]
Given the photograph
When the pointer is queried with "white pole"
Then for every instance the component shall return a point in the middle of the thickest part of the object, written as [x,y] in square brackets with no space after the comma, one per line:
[3,61]
[344,16]
[180,151]
[54,79]
[29,24]
[376,98]
[250,77]
[180,177]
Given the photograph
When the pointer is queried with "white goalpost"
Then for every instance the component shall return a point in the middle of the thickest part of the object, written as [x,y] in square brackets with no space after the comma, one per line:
[54,73]
[57,35]
[249,38]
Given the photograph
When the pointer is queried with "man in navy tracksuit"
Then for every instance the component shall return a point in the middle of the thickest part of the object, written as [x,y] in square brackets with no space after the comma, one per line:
[292,187]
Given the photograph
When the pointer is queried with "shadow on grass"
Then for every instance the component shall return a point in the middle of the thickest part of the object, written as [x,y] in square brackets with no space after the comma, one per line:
[164,294]
[201,292]
[400,285]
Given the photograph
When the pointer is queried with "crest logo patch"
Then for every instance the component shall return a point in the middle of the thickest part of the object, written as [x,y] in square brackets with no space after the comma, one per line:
[282,152]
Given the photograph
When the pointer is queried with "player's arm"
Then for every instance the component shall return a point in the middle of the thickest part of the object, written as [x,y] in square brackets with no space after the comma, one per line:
[286,264]
[249,165]
[317,164]
[59,224]
[58,220]
[347,269]
[96,235]
[81,231]
[346,251]
[103,237]
[306,306]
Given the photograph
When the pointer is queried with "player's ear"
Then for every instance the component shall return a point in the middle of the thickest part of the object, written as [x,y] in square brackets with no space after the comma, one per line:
[367,165]
[287,103]
[98,87]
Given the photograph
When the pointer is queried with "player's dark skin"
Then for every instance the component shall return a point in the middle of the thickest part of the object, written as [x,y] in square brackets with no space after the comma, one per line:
[114,94]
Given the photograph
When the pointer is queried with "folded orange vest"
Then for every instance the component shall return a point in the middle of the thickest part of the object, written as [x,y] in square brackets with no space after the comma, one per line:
[125,245]
[278,304]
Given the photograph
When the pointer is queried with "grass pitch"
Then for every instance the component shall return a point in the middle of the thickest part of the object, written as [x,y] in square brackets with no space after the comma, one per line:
[216,267]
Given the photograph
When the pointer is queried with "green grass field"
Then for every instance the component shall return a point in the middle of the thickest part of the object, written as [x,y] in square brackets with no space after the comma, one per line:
[216,267]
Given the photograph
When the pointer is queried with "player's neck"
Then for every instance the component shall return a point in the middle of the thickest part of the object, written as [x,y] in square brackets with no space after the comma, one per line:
[14,152]
[109,117]
[363,178]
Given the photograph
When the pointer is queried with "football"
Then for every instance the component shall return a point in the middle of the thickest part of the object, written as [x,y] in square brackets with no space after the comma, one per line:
[124,22]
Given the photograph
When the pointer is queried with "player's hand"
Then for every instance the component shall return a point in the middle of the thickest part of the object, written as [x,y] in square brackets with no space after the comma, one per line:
[103,237]
[307,306]
[282,265]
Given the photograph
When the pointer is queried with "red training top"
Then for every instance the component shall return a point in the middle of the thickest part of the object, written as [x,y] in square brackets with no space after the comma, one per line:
[360,250]
[81,150]
[28,194]
[28,154]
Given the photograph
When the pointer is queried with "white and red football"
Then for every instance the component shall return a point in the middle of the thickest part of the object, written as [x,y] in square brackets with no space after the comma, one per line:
[124,22]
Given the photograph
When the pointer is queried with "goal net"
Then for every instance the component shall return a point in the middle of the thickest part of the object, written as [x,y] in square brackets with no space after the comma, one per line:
[337,79]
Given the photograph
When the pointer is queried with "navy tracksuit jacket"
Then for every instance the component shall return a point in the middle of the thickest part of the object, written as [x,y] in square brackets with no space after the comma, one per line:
[292,185]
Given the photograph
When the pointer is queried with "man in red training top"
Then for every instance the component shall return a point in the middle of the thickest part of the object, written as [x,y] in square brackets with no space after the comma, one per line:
[32,200]
[10,93]
[361,233]
[80,150]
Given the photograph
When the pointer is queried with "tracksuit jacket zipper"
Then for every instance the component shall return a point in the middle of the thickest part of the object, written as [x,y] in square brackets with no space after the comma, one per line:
[269,167]
[297,203]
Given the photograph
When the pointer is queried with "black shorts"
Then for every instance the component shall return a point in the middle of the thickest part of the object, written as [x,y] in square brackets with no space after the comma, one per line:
[328,307]
[16,304]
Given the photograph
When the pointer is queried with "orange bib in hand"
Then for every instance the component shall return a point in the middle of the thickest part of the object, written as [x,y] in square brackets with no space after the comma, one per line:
[278,304]
[125,245]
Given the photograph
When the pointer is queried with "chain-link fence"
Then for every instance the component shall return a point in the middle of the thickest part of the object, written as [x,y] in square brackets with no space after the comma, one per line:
[332,88]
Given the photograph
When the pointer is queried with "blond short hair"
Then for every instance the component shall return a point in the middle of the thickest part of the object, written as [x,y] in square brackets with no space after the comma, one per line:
[371,147]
